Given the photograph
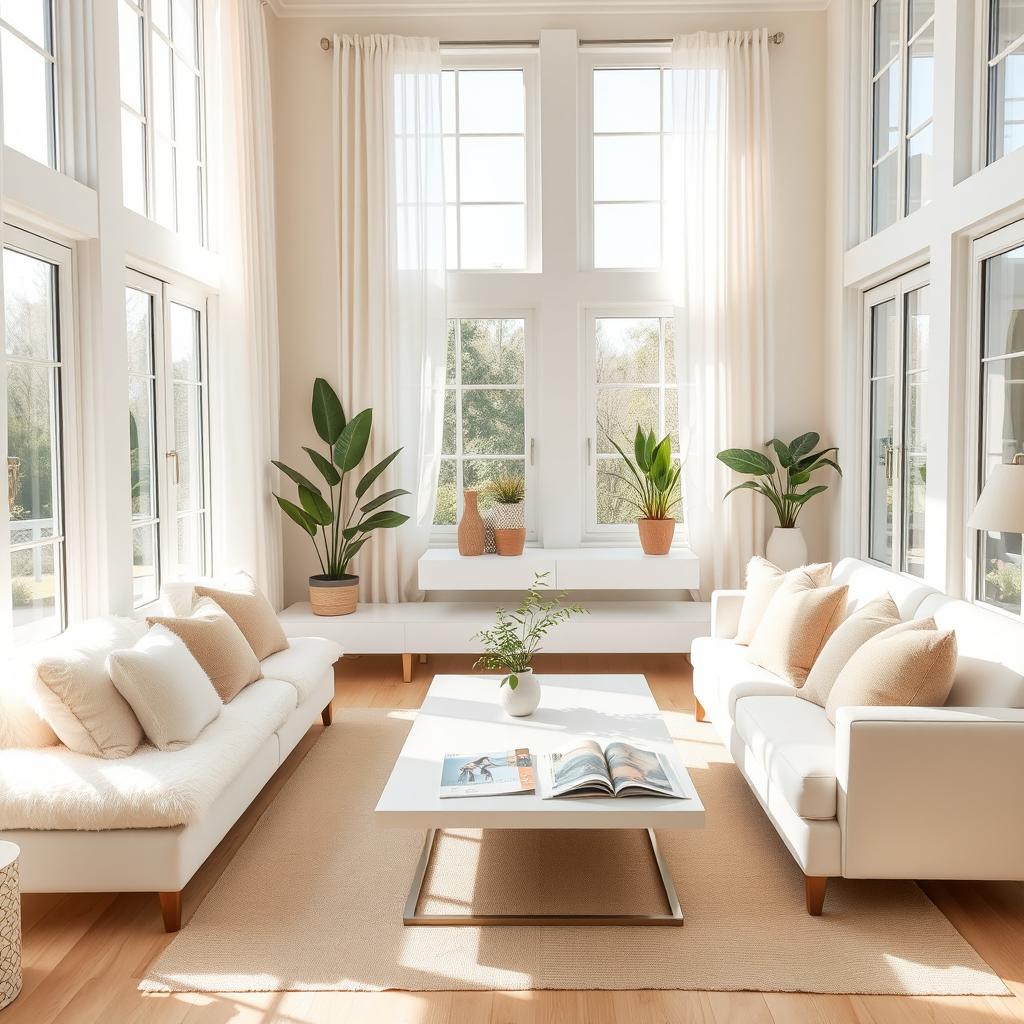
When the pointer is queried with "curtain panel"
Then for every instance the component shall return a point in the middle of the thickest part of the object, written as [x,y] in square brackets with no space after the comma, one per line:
[389,194]
[721,215]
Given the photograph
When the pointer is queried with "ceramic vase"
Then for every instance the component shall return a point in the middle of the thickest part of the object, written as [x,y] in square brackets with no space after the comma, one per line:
[471,526]
[656,535]
[787,548]
[523,700]
[509,522]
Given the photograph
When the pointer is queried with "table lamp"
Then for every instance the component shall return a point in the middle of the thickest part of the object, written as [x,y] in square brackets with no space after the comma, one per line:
[1000,507]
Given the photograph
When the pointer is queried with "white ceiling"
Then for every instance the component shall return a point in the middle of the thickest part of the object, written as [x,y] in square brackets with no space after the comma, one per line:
[411,8]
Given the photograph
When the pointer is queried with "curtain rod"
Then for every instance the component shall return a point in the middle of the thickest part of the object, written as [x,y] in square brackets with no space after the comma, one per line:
[776,37]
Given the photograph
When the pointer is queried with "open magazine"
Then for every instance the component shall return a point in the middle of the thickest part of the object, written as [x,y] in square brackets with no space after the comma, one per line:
[619,769]
[491,774]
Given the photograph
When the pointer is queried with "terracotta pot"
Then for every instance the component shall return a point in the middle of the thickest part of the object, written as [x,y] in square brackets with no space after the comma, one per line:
[656,535]
[509,542]
[333,597]
[471,526]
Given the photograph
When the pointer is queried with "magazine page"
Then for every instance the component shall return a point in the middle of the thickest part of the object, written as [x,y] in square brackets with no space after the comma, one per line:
[636,772]
[579,771]
[490,774]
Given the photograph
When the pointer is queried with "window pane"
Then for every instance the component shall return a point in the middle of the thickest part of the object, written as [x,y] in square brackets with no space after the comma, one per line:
[161,11]
[884,341]
[448,102]
[493,351]
[191,546]
[918,326]
[492,170]
[184,28]
[491,102]
[450,367]
[160,82]
[627,235]
[29,307]
[133,162]
[886,107]
[36,597]
[920,12]
[185,342]
[915,456]
[445,513]
[1003,289]
[884,180]
[31,18]
[163,182]
[138,311]
[129,25]
[188,432]
[1000,570]
[28,99]
[919,170]
[1006,105]
[672,416]
[189,212]
[144,575]
[627,167]
[627,350]
[448,437]
[479,472]
[882,469]
[614,504]
[886,32]
[920,79]
[627,100]
[32,451]
[142,447]
[619,411]
[493,237]
[186,109]
[1007,24]
[493,422]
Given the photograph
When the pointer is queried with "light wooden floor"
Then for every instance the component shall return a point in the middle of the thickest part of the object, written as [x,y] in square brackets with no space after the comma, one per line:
[84,954]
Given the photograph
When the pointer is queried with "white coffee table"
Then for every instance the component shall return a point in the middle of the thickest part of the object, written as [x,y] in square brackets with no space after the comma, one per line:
[462,715]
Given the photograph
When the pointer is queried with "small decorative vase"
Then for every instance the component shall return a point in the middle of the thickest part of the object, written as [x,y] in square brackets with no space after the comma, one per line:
[787,548]
[509,522]
[471,526]
[333,597]
[656,535]
[523,700]
[10,924]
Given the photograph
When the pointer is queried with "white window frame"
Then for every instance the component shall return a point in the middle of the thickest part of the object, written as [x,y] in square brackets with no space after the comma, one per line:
[1004,239]
[592,59]
[163,293]
[593,531]
[895,289]
[71,469]
[987,63]
[446,534]
[512,58]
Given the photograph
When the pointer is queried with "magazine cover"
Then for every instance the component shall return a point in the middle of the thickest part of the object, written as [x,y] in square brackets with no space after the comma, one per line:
[492,774]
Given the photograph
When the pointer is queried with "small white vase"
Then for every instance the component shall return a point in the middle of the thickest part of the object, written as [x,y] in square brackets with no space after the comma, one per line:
[523,700]
[787,548]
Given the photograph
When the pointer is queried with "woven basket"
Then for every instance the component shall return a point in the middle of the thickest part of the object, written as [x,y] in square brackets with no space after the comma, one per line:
[10,924]
[333,597]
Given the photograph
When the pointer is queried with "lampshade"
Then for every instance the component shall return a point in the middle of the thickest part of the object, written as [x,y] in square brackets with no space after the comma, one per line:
[1000,507]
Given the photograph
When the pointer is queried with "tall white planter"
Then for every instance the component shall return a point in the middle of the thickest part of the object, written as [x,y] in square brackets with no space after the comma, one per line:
[523,700]
[10,924]
[787,548]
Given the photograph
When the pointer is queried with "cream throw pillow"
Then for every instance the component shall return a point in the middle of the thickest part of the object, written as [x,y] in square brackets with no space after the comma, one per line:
[868,621]
[909,665]
[171,695]
[763,581]
[251,611]
[795,627]
[217,644]
[75,693]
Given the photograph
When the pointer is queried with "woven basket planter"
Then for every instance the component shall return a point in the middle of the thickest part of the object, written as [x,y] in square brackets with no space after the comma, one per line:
[10,924]
[509,522]
[333,597]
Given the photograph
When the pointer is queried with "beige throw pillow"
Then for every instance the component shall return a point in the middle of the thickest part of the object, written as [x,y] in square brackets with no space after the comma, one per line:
[251,611]
[796,625]
[909,665]
[171,695]
[868,621]
[217,644]
[763,581]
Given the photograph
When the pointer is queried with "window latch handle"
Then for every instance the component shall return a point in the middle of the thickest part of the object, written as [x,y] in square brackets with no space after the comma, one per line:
[533,449]
[177,465]
[589,448]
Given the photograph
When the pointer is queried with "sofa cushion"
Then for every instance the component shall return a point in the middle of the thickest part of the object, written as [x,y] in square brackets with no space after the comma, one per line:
[763,582]
[796,745]
[251,612]
[302,663]
[866,581]
[724,666]
[55,788]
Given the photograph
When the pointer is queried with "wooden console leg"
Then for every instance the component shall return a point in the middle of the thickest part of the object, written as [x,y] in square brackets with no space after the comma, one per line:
[170,907]
[423,659]
[406,668]
[328,713]
[814,887]
[698,710]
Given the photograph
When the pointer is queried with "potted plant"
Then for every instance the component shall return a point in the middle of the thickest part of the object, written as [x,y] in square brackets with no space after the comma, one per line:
[516,637]
[653,488]
[507,516]
[779,484]
[338,534]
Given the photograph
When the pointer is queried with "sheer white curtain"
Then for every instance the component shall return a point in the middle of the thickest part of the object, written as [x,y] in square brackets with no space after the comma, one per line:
[722,213]
[244,356]
[389,192]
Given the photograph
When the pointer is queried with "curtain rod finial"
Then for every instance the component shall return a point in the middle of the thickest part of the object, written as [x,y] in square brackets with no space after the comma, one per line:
[325,43]
[778,38]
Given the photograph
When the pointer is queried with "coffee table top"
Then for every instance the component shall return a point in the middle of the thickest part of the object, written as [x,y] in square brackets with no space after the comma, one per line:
[462,715]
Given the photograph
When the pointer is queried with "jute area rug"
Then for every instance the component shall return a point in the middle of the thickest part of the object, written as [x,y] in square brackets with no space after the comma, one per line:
[313,899]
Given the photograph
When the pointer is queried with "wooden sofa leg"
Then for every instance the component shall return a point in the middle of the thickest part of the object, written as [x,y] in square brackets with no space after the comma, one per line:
[814,888]
[698,710]
[170,907]
[327,715]
[406,668]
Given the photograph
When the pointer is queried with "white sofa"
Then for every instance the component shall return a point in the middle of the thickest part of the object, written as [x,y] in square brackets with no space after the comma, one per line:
[146,822]
[888,792]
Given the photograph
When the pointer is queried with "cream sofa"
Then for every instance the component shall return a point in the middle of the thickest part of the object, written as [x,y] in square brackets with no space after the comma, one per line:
[147,822]
[888,792]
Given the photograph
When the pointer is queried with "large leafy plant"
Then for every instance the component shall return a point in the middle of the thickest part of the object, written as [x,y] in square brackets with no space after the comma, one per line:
[653,481]
[337,536]
[779,484]
[511,645]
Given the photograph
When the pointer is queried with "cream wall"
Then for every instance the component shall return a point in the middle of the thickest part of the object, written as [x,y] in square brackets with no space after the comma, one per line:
[301,83]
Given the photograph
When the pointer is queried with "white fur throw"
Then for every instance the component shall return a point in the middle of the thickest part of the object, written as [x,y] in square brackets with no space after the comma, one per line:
[21,724]
[56,788]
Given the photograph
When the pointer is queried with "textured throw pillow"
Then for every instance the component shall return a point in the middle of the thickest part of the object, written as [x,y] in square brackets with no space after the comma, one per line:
[763,580]
[21,725]
[868,621]
[76,696]
[795,627]
[251,611]
[166,687]
[909,665]
[217,644]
